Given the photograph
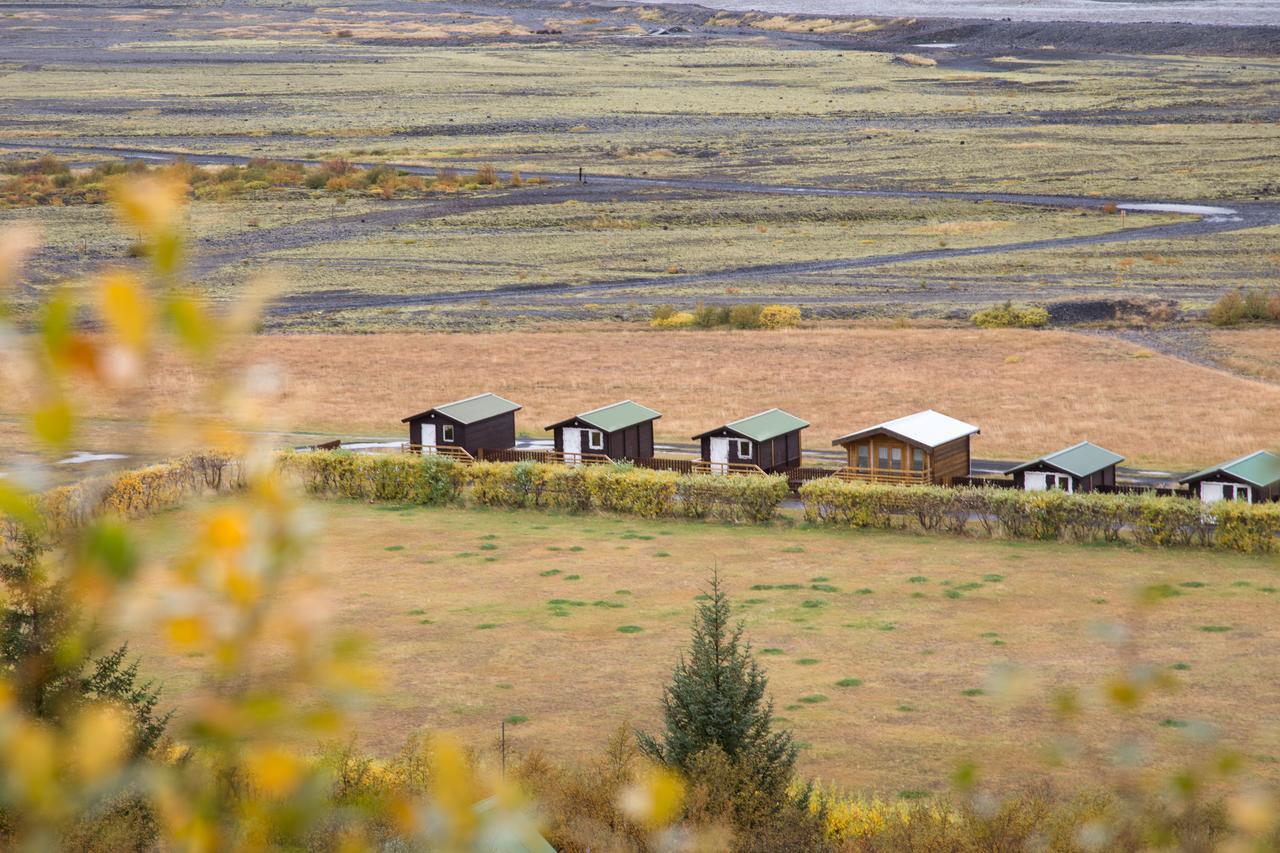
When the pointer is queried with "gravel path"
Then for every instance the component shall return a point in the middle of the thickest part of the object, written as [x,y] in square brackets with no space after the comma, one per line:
[1214,217]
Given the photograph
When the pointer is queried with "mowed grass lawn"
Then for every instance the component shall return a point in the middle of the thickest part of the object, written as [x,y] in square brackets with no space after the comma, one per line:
[882,649]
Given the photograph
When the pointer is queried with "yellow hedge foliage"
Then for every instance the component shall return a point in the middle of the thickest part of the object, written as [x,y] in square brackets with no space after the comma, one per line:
[135,493]
[678,320]
[779,317]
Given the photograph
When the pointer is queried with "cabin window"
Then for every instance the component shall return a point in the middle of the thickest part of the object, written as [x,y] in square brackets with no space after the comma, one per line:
[595,439]
[744,449]
[917,459]
[864,456]
[896,458]
[446,433]
[1235,493]
[882,458]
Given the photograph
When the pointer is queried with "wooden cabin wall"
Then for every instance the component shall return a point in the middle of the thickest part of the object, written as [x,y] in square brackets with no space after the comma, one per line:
[496,433]
[950,460]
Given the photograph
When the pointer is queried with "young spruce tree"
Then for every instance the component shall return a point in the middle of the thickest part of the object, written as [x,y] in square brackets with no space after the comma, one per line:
[716,698]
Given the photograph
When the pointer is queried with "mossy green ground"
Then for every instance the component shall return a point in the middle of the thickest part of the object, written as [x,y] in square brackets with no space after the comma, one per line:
[970,635]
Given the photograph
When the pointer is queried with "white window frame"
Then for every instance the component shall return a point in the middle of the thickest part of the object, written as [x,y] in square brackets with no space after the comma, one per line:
[744,443]
[446,433]
[1054,481]
[595,439]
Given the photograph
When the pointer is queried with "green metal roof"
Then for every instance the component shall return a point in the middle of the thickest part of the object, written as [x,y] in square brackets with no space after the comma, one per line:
[1260,469]
[615,416]
[1080,460]
[765,425]
[472,409]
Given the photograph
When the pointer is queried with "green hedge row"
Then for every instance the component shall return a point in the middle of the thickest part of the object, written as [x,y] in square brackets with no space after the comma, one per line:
[620,489]
[431,480]
[1050,515]
[644,493]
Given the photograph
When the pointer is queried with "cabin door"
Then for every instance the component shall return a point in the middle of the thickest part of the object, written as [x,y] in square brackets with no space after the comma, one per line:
[428,438]
[572,441]
[719,455]
[1033,481]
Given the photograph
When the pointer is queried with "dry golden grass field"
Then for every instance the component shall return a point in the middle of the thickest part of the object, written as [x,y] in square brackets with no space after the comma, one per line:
[1030,391]
[479,616]
[1251,351]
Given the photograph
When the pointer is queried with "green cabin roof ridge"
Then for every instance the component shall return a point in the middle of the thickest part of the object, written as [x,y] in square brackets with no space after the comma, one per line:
[763,426]
[613,417]
[471,409]
[1079,460]
[1260,468]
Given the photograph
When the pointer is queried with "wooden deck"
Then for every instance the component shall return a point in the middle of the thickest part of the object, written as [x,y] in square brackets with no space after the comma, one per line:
[457,454]
[888,476]
[701,466]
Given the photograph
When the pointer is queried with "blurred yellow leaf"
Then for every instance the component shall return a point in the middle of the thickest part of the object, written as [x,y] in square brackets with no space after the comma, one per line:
[29,759]
[241,588]
[1252,811]
[125,308]
[56,326]
[1123,692]
[273,770]
[453,787]
[185,631]
[655,799]
[150,203]
[227,529]
[16,505]
[191,323]
[53,423]
[100,741]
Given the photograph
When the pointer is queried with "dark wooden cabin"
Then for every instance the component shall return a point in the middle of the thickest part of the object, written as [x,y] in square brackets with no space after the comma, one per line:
[482,422]
[927,447]
[620,431]
[1079,468]
[769,440]
[1254,478]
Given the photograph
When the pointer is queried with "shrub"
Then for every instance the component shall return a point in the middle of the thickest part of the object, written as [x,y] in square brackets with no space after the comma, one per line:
[567,489]
[846,504]
[1251,528]
[662,312]
[745,316]
[506,485]
[1050,515]
[779,317]
[1169,521]
[1234,307]
[1228,310]
[402,478]
[629,491]
[131,494]
[1009,315]
[710,316]
[677,320]
[487,175]
[746,498]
